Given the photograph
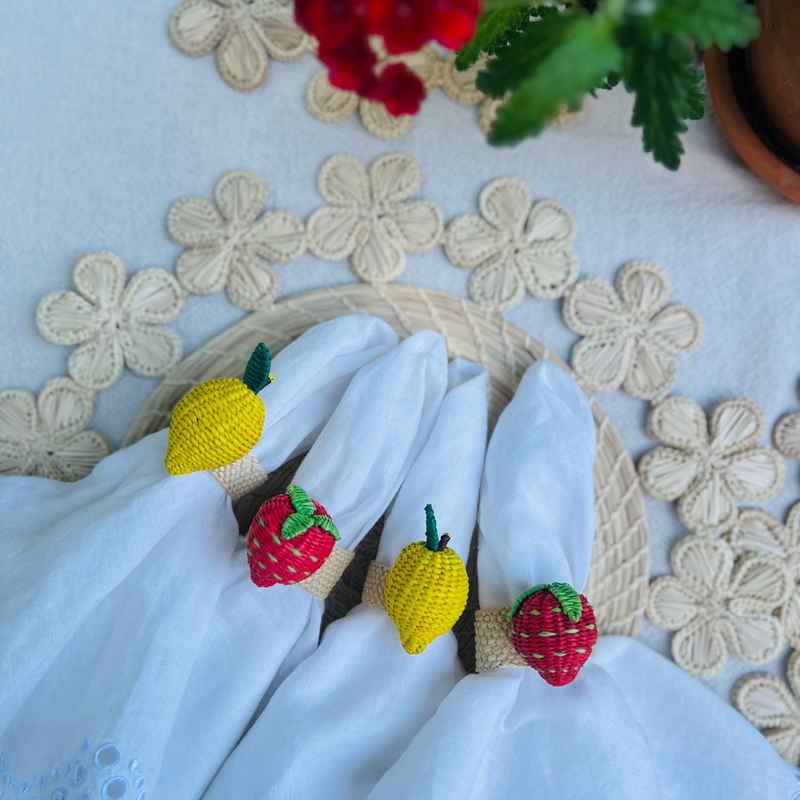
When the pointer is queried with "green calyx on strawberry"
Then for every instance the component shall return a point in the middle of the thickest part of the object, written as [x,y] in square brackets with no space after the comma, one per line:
[290,538]
[554,630]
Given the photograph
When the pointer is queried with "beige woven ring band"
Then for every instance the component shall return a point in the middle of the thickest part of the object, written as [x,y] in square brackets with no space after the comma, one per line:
[375,585]
[327,576]
[493,648]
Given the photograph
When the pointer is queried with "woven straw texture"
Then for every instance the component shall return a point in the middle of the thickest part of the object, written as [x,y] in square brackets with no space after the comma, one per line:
[617,587]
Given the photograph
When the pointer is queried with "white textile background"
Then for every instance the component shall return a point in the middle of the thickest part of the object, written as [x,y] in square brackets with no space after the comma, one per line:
[105,124]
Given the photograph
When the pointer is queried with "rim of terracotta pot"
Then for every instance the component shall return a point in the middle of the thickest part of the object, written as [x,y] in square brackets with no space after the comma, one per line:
[744,140]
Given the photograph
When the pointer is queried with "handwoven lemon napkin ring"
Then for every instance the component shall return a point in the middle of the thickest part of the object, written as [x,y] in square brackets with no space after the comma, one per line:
[550,628]
[292,539]
[424,593]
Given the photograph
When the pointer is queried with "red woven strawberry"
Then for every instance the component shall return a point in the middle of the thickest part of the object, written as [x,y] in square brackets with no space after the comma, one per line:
[554,630]
[289,539]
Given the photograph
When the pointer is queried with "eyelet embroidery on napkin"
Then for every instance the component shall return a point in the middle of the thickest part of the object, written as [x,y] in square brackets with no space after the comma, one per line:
[515,245]
[329,104]
[708,463]
[45,436]
[219,421]
[290,538]
[756,531]
[426,589]
[248,32]
[369,218]
[716,607]
[630,334]
[78,778]
[768,703]
[112,323]
[230,245]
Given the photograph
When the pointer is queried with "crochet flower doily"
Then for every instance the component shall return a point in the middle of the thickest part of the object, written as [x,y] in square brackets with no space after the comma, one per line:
[230,245]
[45,436]
[756,531]
[369,217]
[768,703]
[514,245]
[715,607]
[708,463]
[329,104]
[786,435]
[248,32]
[112,323]
[631,334]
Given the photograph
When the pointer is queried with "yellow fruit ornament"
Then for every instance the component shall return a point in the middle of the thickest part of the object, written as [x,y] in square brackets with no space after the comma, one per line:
[426,589]
[220,420]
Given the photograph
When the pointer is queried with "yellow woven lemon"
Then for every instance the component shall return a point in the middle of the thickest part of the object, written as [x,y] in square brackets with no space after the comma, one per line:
[220,420]
[426,589]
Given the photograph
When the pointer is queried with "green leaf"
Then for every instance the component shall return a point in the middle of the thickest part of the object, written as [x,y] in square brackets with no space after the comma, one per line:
[302,503]
[525,52]
[489,5]
[493,27]
[585,53]
[726,23]
[660,72]
[431,532]
[256,373]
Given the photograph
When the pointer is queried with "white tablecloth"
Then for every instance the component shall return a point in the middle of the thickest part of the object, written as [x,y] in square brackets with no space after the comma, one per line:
[104,124]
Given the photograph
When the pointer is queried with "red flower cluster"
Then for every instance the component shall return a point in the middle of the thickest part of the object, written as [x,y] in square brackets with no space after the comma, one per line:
[343,28]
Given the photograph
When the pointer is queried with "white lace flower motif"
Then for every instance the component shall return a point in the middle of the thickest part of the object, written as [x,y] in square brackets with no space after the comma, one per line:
[45,436]
[756,531]
[329,104]
[786,435]
[767,702]
[248,32]
[708,463]
[112,323]
[370,218]
[514,246]
[230,245]
[631,334]
[716,607]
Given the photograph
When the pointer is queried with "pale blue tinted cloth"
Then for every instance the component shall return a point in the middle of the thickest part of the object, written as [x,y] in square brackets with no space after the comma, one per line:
[111,591]
[345,715]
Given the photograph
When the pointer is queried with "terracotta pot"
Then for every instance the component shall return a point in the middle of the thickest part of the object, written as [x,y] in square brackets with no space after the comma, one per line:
[773,66]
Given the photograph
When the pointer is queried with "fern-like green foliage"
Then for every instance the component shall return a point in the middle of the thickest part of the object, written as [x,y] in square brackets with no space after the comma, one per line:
[544,58]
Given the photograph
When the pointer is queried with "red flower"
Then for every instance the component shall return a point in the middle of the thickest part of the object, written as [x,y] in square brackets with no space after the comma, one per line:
[454,21]
[399,89]
[333,22]
[351,66]
[406,25]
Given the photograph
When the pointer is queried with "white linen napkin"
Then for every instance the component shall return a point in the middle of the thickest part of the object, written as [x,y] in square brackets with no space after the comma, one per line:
[107,586]
[342,718]
[700,746]
[507,733]
[354,469]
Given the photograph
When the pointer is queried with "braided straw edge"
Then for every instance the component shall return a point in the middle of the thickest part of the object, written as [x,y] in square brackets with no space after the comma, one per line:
[618,579]
[241,477]
[375,586]
[493,647]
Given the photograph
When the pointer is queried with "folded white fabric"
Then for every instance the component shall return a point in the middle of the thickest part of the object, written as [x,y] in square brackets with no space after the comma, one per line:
[342,718]
[107,586]
[354,469]
[700,747]
[508,733]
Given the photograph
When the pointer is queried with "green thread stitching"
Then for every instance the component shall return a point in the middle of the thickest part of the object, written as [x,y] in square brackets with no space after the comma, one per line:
[431,534]
[256,373]
[569,599]
[304,517]
[524,596]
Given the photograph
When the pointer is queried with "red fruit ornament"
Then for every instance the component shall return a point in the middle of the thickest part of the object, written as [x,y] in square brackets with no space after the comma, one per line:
[290,538]
[554,630]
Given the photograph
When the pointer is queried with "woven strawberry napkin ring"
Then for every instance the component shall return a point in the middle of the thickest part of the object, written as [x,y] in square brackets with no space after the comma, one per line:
[424,593]
[550,628]
[214,427]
